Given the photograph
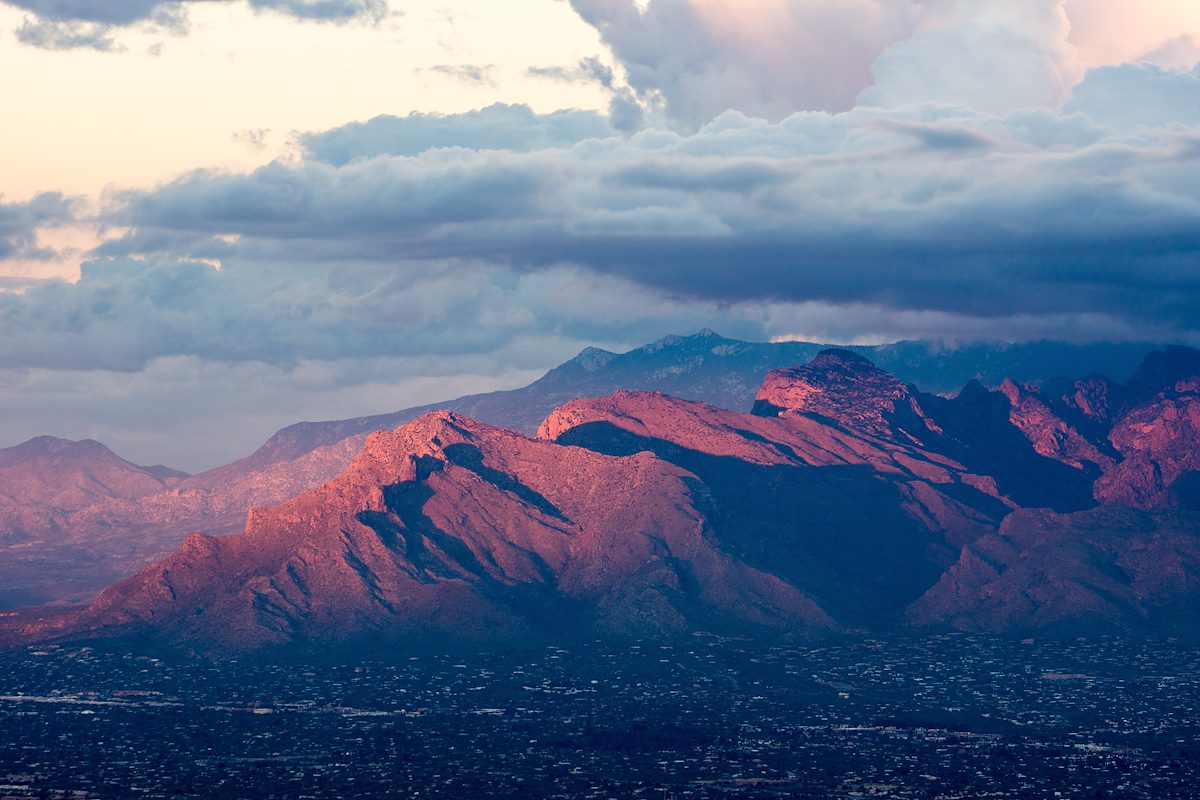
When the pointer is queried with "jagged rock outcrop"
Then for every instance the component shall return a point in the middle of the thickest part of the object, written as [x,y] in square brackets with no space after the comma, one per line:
[848,390]
[1159,443]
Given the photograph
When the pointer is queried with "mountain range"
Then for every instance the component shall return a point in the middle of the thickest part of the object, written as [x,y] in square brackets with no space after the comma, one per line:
[57,547]
[842,499]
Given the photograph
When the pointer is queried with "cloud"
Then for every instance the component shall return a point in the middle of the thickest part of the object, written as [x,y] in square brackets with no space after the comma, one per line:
[327,10]
[90,24]
[108,12]
[1130,95]
[625,111]
[20,224]
[62,35]
[254,138]
[588,70]
[990,55]
[930,208]
[477,74]
[123,315]
[1179,52]
[515,128]
[691,60]
[770,58]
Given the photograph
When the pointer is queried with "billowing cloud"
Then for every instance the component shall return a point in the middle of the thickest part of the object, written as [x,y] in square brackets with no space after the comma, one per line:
[91,24]
[989,55]
[1127,96]
[770,58]
[691,60]
[21,222]
[923,209]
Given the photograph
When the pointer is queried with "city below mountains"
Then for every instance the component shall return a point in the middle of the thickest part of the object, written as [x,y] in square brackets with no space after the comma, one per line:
[699,484]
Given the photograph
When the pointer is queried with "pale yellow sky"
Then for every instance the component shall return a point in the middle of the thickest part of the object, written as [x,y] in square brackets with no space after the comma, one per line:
[78,121]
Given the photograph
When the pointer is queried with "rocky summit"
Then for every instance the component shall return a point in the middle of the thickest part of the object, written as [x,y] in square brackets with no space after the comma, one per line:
[847,501]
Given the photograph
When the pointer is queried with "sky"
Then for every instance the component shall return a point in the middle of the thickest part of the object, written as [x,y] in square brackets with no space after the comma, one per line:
[218,217]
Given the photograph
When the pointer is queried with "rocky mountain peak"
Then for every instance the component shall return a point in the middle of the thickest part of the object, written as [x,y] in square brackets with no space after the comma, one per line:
[593,358]
[843,387]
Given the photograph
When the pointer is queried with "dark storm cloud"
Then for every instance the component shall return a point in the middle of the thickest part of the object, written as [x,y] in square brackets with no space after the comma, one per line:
[71,24]
[934,209]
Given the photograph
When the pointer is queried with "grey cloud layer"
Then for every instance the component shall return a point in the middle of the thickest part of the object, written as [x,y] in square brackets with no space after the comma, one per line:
[498,127]
[123,315]
[932,208]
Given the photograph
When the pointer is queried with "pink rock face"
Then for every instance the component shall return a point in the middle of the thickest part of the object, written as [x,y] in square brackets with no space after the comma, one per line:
[1051,435]
[1096,398]
[448,525]
[847,389]
[1159,442]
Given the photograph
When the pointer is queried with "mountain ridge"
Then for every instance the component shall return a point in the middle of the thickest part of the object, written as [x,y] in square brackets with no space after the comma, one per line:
[96,545]
[847,501]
